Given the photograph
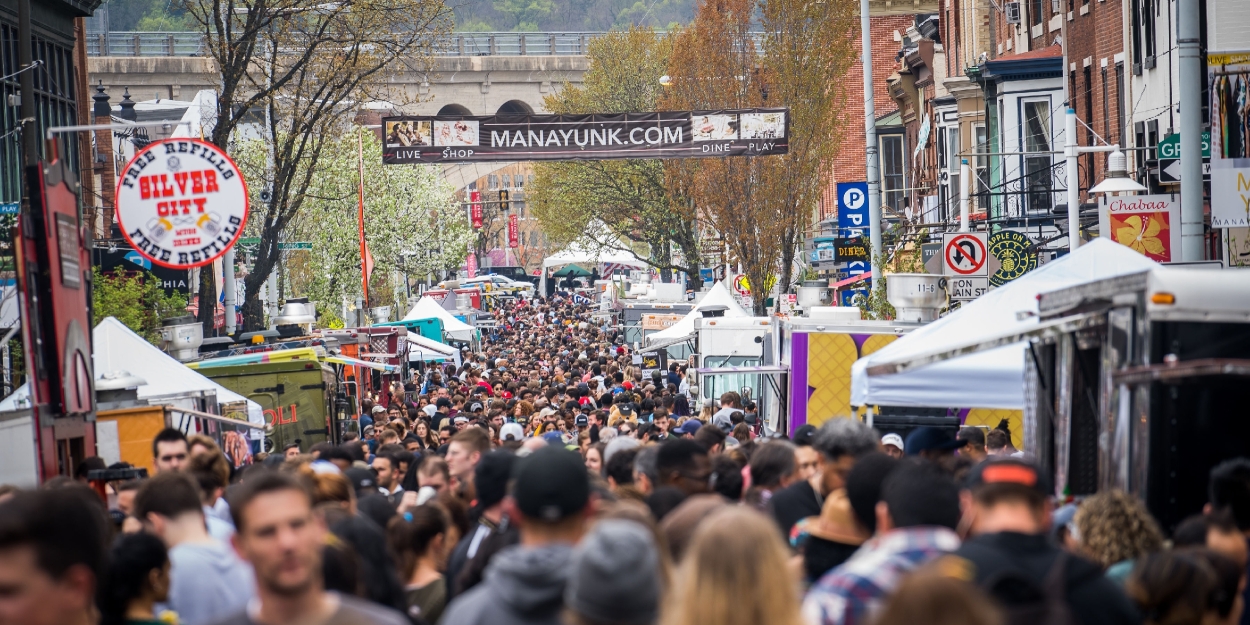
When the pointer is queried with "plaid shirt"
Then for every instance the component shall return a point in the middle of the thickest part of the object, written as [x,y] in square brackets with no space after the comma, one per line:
[851,593]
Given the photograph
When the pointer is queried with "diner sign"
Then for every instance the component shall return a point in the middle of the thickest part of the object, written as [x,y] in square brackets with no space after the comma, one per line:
[666,134]
[181,203]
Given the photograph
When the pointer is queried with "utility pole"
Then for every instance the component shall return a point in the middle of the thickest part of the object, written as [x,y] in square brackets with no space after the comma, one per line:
[871,168]
[1191,77]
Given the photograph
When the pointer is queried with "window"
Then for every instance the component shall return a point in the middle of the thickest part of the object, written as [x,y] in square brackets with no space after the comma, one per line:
[533,238]
[519,180]
[1106,107]
[492,182]
[1143,15]
[1036,170]
[893,178]
[955,168]
[520,209]
[1089,128]
[1119,105]
[1035,12]
[507,181]
[473,186]
[982,164]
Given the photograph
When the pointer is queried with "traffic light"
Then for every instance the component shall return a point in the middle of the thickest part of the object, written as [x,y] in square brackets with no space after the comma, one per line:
[503,201]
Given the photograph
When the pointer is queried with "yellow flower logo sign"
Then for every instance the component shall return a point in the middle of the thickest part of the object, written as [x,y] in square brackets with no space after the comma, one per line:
[1148,233]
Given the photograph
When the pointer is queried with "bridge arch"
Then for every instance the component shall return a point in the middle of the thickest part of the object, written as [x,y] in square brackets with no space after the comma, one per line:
[515,107]
[453,109]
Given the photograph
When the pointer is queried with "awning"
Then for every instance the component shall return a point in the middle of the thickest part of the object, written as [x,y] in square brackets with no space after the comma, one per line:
[281,355]
[669,343]
[765,370]
[214,417]
[356,362]
[851,280]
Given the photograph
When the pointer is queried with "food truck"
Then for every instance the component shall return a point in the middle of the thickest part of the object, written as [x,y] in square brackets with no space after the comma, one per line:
[1138,383]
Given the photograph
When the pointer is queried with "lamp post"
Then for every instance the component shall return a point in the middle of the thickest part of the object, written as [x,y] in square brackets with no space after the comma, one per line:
[1117,179]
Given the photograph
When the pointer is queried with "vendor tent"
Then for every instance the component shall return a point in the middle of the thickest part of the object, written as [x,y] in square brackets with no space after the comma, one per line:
[993,378]
[590,257]
[118,348]
[421,348]
[717,295]
[169,382]
[427,308]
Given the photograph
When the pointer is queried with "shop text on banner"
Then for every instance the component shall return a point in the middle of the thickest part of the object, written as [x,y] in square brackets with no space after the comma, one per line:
[668,134]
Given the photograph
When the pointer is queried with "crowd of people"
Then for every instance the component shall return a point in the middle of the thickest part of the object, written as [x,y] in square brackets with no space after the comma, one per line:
[549,480]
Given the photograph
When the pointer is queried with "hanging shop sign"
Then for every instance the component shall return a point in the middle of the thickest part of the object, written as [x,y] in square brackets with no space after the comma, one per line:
[1014,254]
[851,250]
[181,203]
[475,209]
[1150,224]
[667,134]
[1228,77]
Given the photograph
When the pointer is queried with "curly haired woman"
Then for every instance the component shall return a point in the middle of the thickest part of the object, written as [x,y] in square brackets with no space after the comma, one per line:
[1115,529]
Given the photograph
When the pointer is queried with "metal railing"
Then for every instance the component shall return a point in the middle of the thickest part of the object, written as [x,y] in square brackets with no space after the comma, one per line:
[454,44]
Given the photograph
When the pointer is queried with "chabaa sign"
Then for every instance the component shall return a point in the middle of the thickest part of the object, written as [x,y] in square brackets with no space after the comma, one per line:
[181,203]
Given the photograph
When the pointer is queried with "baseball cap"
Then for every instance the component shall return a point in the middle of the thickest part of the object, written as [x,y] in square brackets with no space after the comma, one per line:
[1009,471]
[689,427]
[553,438]
[930,439]
[551,484]
[379,410]
[511,432]
[475,406]
[362,480]
[581,421]
[805,433]
[892,439]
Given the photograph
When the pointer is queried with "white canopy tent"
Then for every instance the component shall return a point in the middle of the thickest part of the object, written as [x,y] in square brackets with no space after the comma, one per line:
[421,348]
[427,308]
[993,378]
[588,256]
[717,295]
[169,382]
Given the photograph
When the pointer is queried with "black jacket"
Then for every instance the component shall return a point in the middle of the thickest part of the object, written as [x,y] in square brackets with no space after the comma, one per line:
[1092,598]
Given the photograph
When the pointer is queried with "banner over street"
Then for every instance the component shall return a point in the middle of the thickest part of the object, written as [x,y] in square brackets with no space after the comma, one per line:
[667,134]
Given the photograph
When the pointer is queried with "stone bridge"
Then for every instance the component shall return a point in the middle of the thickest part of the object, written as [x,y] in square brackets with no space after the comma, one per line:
[473,73]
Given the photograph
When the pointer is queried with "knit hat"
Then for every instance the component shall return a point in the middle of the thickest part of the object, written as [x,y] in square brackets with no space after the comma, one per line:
[615,575]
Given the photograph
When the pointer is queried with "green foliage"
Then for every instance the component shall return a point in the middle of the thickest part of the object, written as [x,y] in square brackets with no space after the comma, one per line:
[413,224]
[875,306]
[145,15]
[138,303]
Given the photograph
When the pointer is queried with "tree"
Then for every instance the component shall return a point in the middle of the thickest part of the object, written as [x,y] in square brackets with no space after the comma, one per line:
[301,67]
[762,206]
[610,202]
[138,303]
[413,224]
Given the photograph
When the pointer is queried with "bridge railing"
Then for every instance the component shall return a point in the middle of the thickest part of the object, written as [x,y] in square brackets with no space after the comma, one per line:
[455,44]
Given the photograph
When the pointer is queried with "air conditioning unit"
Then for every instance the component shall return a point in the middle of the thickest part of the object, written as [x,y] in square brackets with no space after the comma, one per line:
[1011,10]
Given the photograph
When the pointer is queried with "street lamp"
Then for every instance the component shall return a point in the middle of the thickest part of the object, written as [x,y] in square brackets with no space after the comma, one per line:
[1117,177]
[1117,180]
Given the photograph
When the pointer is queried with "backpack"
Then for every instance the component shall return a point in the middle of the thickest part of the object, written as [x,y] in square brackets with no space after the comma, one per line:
[1026,602]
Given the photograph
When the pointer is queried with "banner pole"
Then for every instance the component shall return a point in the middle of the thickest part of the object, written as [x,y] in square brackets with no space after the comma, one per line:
[364,250]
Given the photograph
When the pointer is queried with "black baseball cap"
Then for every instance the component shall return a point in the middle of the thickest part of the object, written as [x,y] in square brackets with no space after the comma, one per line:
[804,435]
[551,484]
[581,421]
[362,480]
[475,407]
[930,439]
[1009,471]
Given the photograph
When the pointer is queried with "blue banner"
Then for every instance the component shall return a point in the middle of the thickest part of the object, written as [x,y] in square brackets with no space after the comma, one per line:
[853,217]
